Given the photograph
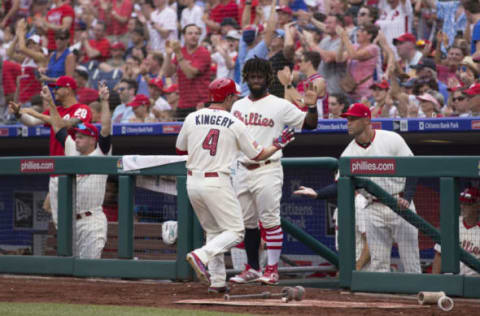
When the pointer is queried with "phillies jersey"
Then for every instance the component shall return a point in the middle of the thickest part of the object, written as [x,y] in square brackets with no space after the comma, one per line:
[212,138]
[469,237]
[384,143]
[80,111]
[266,118]
[56,16]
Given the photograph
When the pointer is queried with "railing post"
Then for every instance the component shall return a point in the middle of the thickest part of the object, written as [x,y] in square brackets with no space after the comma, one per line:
[346,230]
[185,229]
[125,216]
[449,212]
[65,215]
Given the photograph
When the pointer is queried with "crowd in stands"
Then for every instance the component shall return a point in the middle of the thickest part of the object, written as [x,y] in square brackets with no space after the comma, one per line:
[403,58]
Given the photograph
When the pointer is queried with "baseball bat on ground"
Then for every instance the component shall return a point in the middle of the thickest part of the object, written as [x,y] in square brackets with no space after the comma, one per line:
[287,293]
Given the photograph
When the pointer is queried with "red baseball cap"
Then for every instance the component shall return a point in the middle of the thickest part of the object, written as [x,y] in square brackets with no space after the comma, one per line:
[469,196]
[118,45]
[285,9]
[87,129]
[407,37]
[65,81]
[140,99]
[473,90]
[357,110]
[157,82]
[172,88]
[384,85]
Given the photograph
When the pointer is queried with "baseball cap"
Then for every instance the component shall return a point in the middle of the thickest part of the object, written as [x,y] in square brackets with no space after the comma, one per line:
[35,38]
[172,88]
[407,37]
[473,90]
[65,81]
[157,82]
[234,34]
[429,98]
[357,110]
[384,85]
[87,129]
[249,34]
[425,63]
[229,21]
[470,196]
[118,45]
[140,99]
[285,9]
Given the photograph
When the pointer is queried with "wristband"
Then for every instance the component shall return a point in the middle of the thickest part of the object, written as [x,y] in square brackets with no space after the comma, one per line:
[312,109]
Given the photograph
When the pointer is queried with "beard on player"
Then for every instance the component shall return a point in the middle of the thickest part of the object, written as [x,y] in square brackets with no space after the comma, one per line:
[257,91]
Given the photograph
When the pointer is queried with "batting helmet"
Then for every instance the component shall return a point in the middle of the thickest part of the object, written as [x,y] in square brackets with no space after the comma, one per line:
[221,88]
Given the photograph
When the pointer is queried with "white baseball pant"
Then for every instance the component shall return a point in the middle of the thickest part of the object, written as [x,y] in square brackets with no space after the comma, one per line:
[91,235]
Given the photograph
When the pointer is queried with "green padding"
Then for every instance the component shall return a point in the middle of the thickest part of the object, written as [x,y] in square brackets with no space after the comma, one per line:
[36,265]
[310,242]
[411,217]
[114,268]
[409,283]
[471,287]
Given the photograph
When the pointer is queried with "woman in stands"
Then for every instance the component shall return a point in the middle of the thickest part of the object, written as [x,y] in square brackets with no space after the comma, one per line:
[62,60]
[30,54]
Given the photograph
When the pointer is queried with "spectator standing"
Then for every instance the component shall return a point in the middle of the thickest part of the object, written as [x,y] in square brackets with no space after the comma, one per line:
[193,14]
[115,14]
[15,10]
[62,61]
[192,65]
[226,52]
[396,18]
[97,48]
[449,67]
[61,17]
[366,15]
[361,59]
[407,51]
[117,58]
[472,8]
[162,25]
[220,9]
[452,15]
[127,89]
[85,94]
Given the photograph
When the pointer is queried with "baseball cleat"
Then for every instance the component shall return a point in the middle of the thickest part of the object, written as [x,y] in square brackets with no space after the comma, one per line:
[198,267]
[218,289]
[270,276]
[249,275]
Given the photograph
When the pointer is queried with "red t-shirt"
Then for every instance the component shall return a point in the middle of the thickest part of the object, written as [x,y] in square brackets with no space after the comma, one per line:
[56,16]
[253,12]
[80,111]
[221,11]
[194,91]
[87,95]
[114,27]
[103,46]
[11,70]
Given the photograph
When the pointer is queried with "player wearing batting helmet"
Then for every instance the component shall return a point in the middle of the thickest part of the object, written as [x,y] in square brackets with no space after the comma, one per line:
[212,138]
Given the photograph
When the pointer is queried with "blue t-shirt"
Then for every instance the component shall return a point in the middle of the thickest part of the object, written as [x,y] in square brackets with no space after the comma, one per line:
[260,50]
[475,37]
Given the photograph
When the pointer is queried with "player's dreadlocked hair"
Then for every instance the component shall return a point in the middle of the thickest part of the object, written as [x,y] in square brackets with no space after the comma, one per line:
[258,65]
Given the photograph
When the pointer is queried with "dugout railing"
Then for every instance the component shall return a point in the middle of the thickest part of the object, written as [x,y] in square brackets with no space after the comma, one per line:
[190,234]
[450,170]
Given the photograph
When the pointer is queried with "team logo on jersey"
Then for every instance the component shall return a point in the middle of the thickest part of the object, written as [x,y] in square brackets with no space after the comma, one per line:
[373,166]
[254,119]
[37,165]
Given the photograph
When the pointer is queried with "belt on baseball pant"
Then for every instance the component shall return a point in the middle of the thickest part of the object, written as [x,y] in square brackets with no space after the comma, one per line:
[253,166]
[206,174]
[375,199]
[83,215]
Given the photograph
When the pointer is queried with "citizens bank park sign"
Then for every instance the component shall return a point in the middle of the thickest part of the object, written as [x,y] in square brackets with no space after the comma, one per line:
[373,166]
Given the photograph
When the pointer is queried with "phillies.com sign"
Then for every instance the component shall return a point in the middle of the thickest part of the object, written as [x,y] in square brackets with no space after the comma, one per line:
[37,165]
[373,166]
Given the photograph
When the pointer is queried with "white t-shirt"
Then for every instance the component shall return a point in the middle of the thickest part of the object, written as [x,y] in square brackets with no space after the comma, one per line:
[213,138]
[469,238]
[395,22]
[90,187]
[266,118]
[193,15]
[167,19]
[222,69]
[162,105]
[386,144]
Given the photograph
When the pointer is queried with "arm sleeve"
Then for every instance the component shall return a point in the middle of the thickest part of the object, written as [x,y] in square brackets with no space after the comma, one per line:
[328,193]
[410,188]
[61,136]
[105,143]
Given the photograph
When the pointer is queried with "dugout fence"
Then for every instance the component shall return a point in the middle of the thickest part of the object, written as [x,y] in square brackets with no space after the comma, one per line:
[451,173]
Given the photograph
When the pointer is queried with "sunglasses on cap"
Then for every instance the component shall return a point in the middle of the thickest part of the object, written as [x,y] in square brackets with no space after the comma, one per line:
[82,127]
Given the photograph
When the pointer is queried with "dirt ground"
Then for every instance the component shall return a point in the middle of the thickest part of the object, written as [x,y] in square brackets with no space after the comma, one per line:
[165,294]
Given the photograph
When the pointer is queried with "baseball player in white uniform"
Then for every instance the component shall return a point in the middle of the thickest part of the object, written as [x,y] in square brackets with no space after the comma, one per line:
[258,185]
[212,138]
[384,226]
[91,222]
[469,231]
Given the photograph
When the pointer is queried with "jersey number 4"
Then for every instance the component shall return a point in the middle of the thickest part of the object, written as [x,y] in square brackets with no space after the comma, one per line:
[210,142]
